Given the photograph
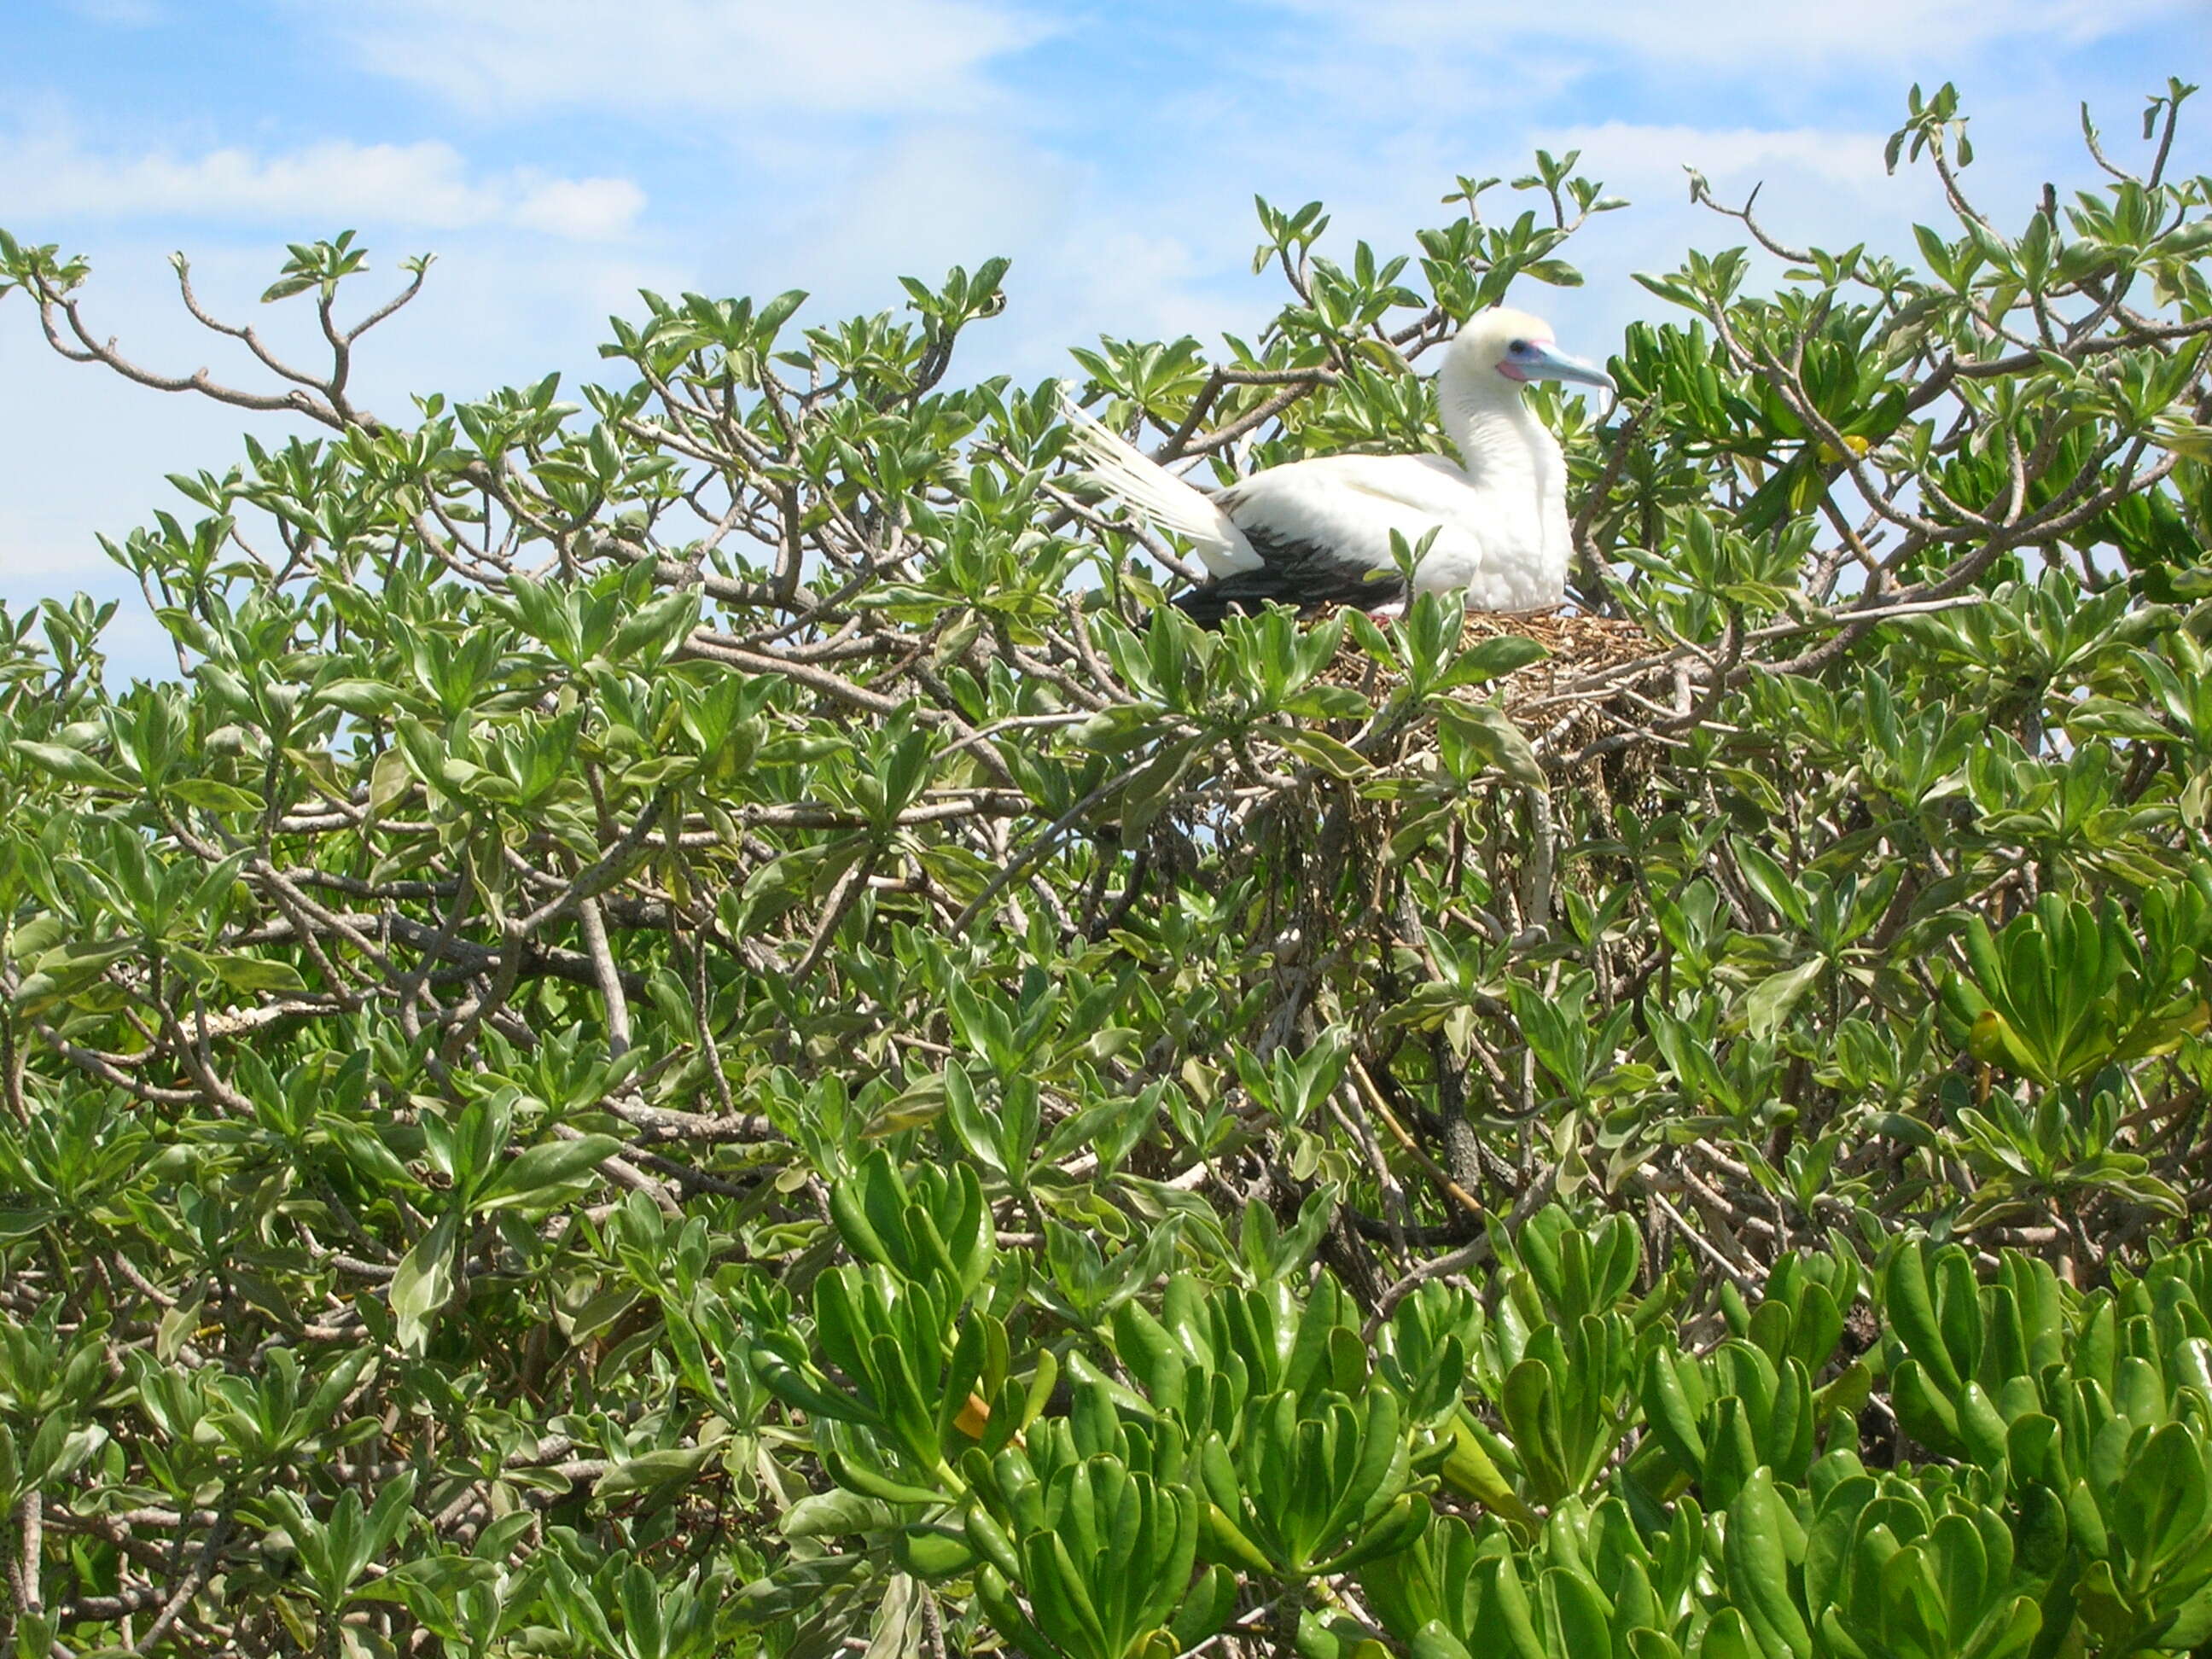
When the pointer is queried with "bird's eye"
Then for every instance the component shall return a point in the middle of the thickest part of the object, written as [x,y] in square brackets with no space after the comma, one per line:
[1518,348]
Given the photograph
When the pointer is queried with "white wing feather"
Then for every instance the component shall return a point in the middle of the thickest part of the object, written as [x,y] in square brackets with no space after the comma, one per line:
[1340,499]
[1350,504]
[1158,495]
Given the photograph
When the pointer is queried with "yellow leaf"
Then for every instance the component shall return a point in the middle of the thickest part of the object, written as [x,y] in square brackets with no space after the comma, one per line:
[974,1416]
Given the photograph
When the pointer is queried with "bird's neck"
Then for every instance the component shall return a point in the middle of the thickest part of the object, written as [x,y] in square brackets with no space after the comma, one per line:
[1496,435]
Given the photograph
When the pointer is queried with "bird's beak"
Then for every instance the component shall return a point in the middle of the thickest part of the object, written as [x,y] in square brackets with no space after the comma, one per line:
[1544,362]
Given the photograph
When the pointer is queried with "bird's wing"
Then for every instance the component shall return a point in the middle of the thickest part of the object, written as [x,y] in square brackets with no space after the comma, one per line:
[1157,495]
[1347,506]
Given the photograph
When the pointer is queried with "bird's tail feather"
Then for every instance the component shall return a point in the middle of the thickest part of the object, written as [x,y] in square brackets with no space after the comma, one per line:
[1153,491]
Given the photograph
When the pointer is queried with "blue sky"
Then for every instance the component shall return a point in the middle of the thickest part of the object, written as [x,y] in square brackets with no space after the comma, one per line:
[558,155]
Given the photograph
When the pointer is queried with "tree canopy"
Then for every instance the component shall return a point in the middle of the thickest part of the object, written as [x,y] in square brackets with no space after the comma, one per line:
[699,1026]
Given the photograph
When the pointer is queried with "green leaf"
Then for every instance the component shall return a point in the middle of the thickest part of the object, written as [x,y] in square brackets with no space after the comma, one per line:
[1772,998]
[213,796]
[1319,750]
[529,1175]
[1493,739]
[1759,1551]
[654,1474]
[70,765]
[2161,1506]
[252,973]
[423,1283]
[1146,793]
[1490,660]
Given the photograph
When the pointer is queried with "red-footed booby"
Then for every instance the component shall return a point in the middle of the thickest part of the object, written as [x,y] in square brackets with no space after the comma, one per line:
[1316,532]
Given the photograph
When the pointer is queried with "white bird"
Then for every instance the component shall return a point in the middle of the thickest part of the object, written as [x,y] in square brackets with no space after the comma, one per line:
[1318,531]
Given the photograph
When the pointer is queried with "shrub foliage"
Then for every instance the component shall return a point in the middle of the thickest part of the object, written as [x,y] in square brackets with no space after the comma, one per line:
[698,1027]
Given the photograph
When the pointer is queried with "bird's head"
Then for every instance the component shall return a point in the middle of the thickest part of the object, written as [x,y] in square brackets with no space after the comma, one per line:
[1513,346]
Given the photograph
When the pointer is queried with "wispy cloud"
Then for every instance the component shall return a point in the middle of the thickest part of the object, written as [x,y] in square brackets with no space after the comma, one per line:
[583,210]
[427,185]
[948,195]
[1626,151]
[1734,33]
[120,14]
[696,56]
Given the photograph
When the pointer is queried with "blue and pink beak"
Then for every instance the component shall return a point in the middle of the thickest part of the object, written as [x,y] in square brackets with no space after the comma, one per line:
[1537,359]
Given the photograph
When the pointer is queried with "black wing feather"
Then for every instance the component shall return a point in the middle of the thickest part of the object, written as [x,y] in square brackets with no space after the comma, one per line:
[1307,575]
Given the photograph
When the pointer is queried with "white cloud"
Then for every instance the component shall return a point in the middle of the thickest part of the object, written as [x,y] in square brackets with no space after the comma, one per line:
[715,56]
[1624,149]
[1736,33]
[426,183]
[583,210]
[120,14]
[941,195]
[930,199]
[37,546]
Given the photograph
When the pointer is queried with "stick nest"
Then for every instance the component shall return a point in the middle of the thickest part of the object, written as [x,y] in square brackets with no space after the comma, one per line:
[1590,708]
[1588,659]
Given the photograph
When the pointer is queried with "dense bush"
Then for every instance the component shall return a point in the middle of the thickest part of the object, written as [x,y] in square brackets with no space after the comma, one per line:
[698,1027]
